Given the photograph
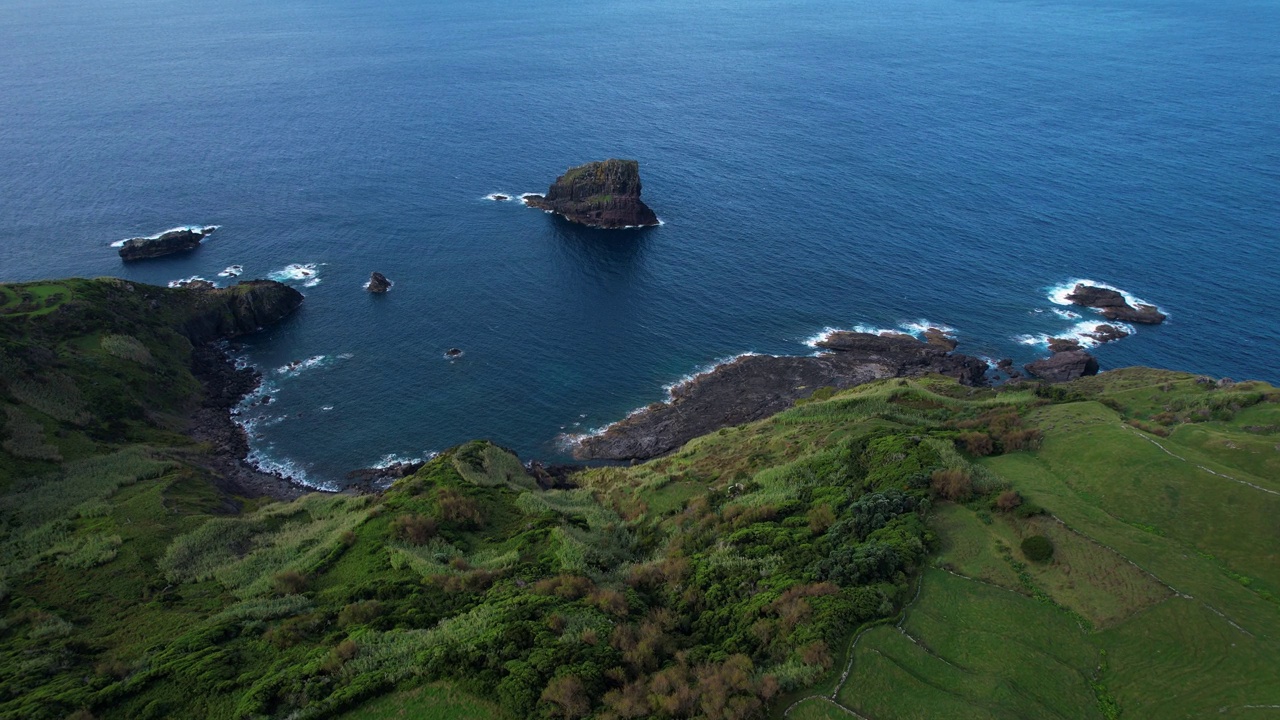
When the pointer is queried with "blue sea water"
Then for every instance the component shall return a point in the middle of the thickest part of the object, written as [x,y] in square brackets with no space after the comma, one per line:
[817,163]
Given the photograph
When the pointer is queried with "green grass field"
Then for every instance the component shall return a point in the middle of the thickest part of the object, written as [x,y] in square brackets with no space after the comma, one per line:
[1160,599]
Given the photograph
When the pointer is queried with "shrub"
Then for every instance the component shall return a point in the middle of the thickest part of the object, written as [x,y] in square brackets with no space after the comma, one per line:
[568,697]
[359,613]
[951,483]
[1020,439]
[414,529]
[1037,548]
[1028,509]
[977,443]
[1008,501]
[459,509]
[289,582]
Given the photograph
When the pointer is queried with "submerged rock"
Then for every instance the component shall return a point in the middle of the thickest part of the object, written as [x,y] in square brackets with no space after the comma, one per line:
[165,243]
[1063,366]
[453,353]
[599,194]
[756,386]
[1113,305]
[378,283]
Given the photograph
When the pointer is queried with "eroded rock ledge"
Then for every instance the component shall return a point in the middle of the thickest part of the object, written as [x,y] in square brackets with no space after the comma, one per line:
[599,194]
[756,386]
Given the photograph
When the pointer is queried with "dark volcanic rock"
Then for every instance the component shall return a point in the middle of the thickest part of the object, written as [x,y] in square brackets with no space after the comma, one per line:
[756,386]
[1063,366]
[935,336]
[600,194]
[1057,345]
[165,243]
[378,283]
[239,310]
[1114,306]
[1107,333]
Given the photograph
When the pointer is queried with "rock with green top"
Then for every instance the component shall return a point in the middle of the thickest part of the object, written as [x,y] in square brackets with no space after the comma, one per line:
[599,194]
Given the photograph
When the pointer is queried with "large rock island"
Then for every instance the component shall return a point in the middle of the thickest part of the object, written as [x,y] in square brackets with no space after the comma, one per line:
[166,243]
[599,194]
[756,386]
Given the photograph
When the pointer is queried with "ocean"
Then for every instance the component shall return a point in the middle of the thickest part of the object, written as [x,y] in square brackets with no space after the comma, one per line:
[816,163]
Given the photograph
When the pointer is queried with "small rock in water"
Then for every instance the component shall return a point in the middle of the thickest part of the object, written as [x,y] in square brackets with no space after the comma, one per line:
[452,353]
[378,283]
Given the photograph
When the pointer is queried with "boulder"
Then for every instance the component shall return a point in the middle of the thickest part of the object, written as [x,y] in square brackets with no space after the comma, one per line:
[602,194]
[1063,366]
[1113,306]
[165,243]
[378,283]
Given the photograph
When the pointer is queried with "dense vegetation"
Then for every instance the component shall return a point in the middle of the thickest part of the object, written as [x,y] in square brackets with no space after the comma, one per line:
[860,553]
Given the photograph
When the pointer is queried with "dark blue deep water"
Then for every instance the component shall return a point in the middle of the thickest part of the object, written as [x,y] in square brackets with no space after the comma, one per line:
[818,163]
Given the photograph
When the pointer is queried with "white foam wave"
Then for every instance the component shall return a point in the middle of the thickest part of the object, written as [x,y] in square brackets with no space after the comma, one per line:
[1080,332]
[232,271]
[306,273]
[298,366]
[919,327]
[391,459]
[1066,314]
[1057,294]
[287,469]
[202,229]
[707,369]
[499,196]
[188,281]
[915,328]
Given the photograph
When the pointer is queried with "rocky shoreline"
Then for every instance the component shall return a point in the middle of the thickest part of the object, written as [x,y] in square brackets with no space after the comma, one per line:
[757,386]
[225,385]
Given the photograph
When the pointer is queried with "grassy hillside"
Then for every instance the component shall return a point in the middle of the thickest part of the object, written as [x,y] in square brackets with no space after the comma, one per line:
[860,555]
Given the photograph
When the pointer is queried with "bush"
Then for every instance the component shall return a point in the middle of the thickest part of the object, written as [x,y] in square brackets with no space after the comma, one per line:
[1028,509]
[289,582]
[359,613]
[977,444]
[1037,548]
[414,529]
[952,483]
[1008,501]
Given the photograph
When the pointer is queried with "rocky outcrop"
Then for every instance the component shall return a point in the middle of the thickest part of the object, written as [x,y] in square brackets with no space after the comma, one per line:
[1113,305]
[936,336]
[1057,345]
[378,283]
[1063,366]
[165,243]
[599,194]
[1107,333]
[756,386]
[238,310]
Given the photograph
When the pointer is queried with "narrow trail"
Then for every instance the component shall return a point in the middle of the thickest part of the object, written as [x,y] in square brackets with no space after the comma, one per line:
[1170,453]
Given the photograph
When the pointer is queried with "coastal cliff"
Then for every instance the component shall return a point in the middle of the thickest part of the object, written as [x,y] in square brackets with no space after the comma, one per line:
[241,309]
[599,194]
